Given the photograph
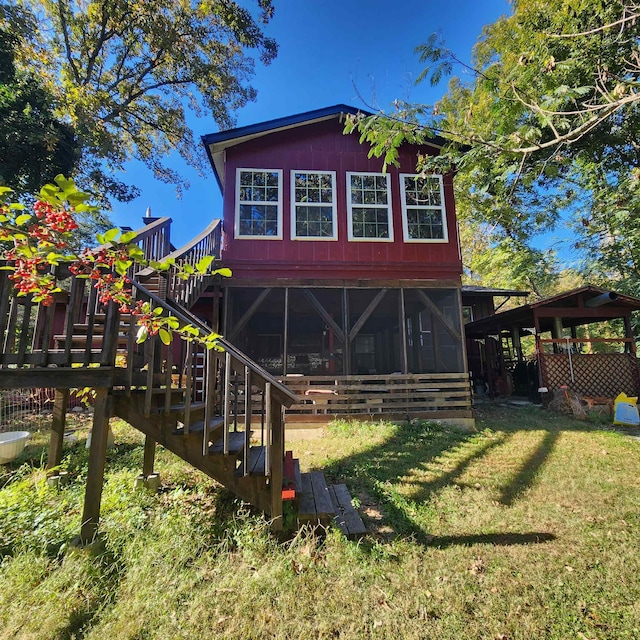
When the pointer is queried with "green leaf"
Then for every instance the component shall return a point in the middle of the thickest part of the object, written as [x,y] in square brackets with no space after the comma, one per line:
[203,264]
[142,334]
[158,311]
[111,235]
[128,236]
[25,217]
[122,266]
[165,336]
[225,272]
[17,206]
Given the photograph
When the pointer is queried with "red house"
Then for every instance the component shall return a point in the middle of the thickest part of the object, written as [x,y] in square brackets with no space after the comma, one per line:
[346,280]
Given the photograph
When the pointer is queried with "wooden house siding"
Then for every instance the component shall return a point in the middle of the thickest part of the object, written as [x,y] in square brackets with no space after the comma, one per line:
[322,147]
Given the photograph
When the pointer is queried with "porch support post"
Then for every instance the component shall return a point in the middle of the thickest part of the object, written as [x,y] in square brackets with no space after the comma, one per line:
[630,347]
[345,326]
[149,456]
[539,353]
[403,332]
[95,474]
[517,345]
[463,360]
[58,423]
[285,340]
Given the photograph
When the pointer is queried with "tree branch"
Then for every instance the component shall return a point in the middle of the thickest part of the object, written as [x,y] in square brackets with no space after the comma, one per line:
[67,44]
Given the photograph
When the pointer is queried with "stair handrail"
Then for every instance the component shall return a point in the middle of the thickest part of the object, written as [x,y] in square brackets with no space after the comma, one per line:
[275,396]
[188,318]
[206,243]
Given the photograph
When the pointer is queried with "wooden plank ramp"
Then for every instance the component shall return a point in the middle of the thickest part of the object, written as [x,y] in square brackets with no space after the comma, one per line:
[323,504]
[347,519]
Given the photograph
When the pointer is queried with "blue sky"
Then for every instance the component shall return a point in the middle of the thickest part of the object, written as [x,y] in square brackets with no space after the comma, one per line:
[330,52]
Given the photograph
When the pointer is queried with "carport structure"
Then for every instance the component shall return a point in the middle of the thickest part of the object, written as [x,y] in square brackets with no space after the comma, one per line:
[591,366]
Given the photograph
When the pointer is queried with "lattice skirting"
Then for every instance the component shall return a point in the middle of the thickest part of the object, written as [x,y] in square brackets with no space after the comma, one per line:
[597,374]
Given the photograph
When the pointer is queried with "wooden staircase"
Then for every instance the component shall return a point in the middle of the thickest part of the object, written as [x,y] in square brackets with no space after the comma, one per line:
[217,410]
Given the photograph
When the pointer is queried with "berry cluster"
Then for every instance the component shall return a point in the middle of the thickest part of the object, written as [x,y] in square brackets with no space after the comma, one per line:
[52,225]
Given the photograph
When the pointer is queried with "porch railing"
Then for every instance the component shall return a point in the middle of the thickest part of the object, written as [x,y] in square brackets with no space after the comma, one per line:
[186,292]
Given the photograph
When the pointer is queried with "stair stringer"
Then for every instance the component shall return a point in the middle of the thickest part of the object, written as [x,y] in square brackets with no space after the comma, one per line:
[159,426]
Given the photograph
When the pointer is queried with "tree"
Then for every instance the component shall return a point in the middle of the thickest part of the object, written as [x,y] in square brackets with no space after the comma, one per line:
[125,73]
[546,128]
[35,145]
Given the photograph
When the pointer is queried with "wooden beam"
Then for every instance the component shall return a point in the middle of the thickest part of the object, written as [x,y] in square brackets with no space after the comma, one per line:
[438,314]
[403,332]
[248,314]
[95,473]
[324,314]
[56,378]
[58,421]
[366,314]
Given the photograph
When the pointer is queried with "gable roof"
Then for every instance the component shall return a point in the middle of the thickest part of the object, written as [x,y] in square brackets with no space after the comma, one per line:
[523,316]
[217,143]
[477,290]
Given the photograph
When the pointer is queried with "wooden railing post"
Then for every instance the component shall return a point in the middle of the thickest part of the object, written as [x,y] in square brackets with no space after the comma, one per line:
[277,463]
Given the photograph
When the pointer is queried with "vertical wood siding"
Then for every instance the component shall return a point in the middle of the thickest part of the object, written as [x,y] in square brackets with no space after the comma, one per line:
[323,147]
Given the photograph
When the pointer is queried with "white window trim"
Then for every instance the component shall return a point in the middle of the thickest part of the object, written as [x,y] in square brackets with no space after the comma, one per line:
[334,208]
[237,234]
[443,208]
[350,207]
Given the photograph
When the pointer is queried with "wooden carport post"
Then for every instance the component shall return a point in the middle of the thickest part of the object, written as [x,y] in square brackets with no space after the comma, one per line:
[95,473]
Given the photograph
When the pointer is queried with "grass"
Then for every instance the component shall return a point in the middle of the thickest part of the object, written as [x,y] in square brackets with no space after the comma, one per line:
[527,528]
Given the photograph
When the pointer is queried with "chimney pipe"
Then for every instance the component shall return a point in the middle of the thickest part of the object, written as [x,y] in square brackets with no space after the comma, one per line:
[603,298]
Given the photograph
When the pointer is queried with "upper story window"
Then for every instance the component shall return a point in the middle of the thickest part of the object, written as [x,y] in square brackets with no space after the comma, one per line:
[369,207]
[313,205]
[423,212]
[259,203]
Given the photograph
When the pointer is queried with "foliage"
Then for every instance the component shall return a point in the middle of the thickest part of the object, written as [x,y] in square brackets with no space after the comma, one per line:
[125,75]
[38,242]
[36,146]
[545,128]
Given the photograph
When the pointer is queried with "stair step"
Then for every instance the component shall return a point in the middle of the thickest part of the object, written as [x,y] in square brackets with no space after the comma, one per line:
[236,444]
[347,519]
[315,502]
[256,462]
[96,340]
[195,406]
[197,428]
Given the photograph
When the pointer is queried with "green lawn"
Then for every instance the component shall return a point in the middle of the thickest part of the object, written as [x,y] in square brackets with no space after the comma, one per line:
[527,529]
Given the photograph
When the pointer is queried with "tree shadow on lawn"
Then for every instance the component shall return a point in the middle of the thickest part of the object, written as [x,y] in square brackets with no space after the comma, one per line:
[414,448]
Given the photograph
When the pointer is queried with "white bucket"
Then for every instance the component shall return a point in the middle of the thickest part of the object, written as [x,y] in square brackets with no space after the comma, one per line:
[12,444]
